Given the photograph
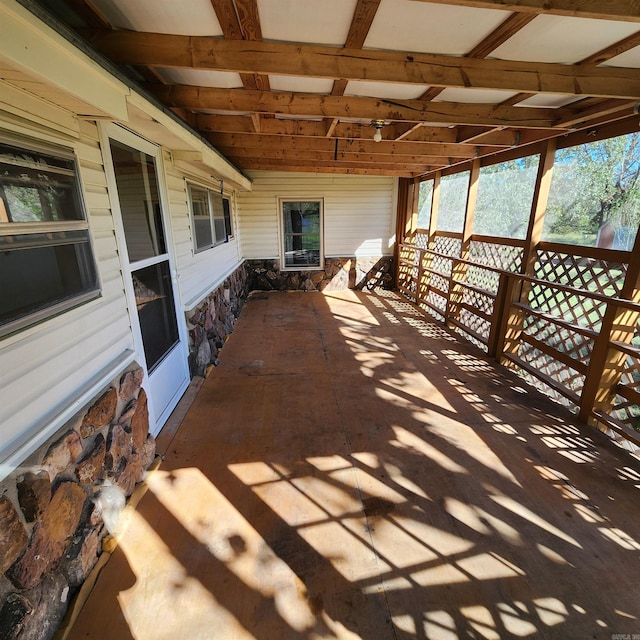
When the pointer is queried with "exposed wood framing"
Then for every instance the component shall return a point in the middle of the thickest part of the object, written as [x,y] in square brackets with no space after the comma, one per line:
[605,10]
[203,52]
[284,102]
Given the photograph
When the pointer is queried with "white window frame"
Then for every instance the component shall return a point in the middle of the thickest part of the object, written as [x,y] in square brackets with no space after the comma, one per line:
[211,193]
[9,229]
[282,234]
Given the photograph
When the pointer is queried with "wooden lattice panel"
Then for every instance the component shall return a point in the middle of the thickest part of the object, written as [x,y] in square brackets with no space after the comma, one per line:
[624,409]
[500,256]
[590,274]
[575,345]
[581,272]
[548,366]
[446,245]
[437,301]
[479,326]
[421,240]
[442,266]
[483,278]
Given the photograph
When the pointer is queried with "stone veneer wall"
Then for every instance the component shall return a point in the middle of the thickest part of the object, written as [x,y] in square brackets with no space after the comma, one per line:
[213,319]
[338,274]
[53,508]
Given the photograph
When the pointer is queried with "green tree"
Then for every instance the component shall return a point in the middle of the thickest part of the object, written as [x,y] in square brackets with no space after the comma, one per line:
[505,193]
[594,184]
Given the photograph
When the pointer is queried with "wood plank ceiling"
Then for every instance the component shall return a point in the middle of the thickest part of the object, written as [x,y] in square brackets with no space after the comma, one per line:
[295,85]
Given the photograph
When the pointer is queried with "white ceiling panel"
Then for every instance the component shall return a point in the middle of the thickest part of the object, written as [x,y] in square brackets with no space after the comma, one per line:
[629,59]
[563,40]
[389,90]
[309,21]
[474,96]
[162,16]
[548,100]
[201,78]
[301,84]
[423,27]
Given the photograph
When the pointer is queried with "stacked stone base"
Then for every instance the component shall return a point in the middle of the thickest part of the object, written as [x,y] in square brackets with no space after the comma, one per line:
[338,274]
[213,320]
[55,509]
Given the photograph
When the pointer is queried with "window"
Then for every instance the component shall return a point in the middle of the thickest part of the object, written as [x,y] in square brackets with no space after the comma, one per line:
[46,260]
[210,217]
[301,233]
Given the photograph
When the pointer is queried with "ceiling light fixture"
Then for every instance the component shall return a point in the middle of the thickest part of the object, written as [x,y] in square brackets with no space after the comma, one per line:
[377,125]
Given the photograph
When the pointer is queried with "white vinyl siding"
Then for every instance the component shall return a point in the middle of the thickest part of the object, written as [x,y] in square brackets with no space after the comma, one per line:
[200,273]
[42,367]
[359,215]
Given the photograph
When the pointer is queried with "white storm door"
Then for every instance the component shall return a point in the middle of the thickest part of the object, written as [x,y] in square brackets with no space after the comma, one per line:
[148,264]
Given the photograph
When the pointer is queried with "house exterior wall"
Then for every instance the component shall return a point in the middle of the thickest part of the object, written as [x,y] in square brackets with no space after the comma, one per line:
[359,213]
[203,271]
[44,368]
[358,230]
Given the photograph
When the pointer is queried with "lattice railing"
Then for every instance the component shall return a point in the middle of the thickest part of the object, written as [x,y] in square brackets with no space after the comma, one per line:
[553,319]
[562,322]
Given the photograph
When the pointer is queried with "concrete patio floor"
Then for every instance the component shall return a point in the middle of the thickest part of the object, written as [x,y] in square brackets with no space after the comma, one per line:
[353,470]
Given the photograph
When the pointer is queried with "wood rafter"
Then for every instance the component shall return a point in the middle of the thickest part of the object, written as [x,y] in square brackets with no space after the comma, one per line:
[603,9]
[386,147]
[348,130]
[311,105]
[498,36]
[343,156]
[203,52]
[330,166]
[233,29]
[363,16]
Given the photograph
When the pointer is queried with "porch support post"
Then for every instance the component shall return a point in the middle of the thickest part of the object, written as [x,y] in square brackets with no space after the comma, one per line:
[511,319]
[607,364]
[406,188]
[459,269]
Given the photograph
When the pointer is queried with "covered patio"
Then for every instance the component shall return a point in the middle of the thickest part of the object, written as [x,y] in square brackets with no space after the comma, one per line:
[352,469]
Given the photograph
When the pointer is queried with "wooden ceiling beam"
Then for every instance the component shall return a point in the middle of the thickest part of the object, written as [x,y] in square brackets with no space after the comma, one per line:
[281,165]
[320,165]
[232,30]
[312,105]
[277,126]
[626,10]
[363,158]
[359,145]
[617,108]
[204,52]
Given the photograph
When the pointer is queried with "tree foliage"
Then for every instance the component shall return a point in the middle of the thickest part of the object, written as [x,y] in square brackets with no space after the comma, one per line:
[594,184]
[505,193]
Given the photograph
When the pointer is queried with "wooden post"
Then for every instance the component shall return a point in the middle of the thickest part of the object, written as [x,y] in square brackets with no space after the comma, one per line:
[512,319]
[427,258]
[606,364]
[459,269]
[405,197]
